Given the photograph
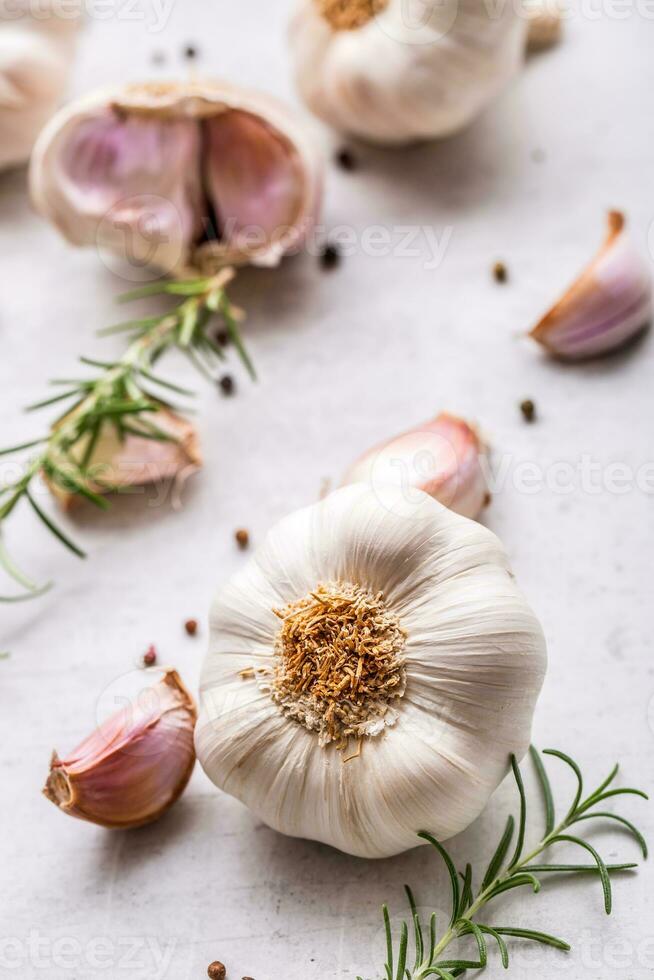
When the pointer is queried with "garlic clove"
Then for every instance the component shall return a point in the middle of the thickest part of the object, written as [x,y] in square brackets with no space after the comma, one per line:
[608,305]
[177,176]
[136,461]
[131,183]
[392,73]
[36,53]
[444,458]
[254,181]
[135,765]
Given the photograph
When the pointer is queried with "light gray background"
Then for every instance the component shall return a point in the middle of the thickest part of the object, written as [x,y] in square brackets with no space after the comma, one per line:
[344,359]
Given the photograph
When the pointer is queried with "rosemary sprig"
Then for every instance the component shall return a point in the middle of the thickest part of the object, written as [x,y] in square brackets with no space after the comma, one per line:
[502,875]
[120,395]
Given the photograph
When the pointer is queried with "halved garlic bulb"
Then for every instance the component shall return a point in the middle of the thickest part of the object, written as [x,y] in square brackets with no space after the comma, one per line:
[608,305]
[393,71]
[443,457]
[135,765]
[389,627]
[185,176]
[134,461]
[36,53]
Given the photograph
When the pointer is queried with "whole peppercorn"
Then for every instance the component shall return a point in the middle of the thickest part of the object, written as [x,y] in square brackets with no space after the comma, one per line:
[190,52]
[346,160]
[191,626]
[242,537]
[150,656]
[500,272]
[528,409]
[330,257]
[216,971]
[227,384]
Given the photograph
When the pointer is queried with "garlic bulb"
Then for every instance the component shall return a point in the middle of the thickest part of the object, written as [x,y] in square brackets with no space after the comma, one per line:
[393,71]
[35,60]
[388,627]
[136,461]
[444,457]
[135,765]
[180,176]
[608,305]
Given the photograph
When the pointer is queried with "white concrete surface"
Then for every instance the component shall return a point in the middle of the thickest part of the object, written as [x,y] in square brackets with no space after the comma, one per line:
[344,359]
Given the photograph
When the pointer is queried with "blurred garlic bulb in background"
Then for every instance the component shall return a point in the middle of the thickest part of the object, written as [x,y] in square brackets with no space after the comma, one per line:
[608,305]
[135,765]
[444,457]
[179,177]
[36,52]
[393,71]
[369,672]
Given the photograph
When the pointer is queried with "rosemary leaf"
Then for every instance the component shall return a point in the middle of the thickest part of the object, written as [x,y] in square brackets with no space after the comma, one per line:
[58,533]
[498,857]
[601,867]
[580,783]
[625,823]
[546,789]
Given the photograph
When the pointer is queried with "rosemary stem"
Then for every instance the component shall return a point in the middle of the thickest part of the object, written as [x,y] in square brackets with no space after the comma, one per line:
[120,390]
[483,897]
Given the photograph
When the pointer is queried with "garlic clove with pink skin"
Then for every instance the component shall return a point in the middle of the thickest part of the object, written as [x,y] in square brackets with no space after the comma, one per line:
[135,765]
[443,457]
[136,461]
[255,182]
[608,305]
[180,177]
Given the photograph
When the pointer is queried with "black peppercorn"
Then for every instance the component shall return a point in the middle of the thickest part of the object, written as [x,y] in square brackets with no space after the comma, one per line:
[330,257]
[528,409]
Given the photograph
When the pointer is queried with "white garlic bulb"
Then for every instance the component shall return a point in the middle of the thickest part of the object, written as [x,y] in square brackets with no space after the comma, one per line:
[369,673]
[393,71]
[35,60]
[183,176]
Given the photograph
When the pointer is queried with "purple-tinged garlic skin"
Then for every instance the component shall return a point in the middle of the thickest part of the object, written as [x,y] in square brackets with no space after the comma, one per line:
[135,765]
[442,457]
[608,305]
[181,177]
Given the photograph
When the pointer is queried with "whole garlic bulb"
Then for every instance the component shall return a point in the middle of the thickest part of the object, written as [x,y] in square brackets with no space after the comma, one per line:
[388,627]
[393,71]
[35,60]
[187,176]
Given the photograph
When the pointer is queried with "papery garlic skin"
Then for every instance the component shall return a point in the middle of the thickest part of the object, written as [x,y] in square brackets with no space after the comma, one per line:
[444,457]
[608,305]
[474,660]
[410,71]
[135,461]
[135,765]
[36,54]
[180,177]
